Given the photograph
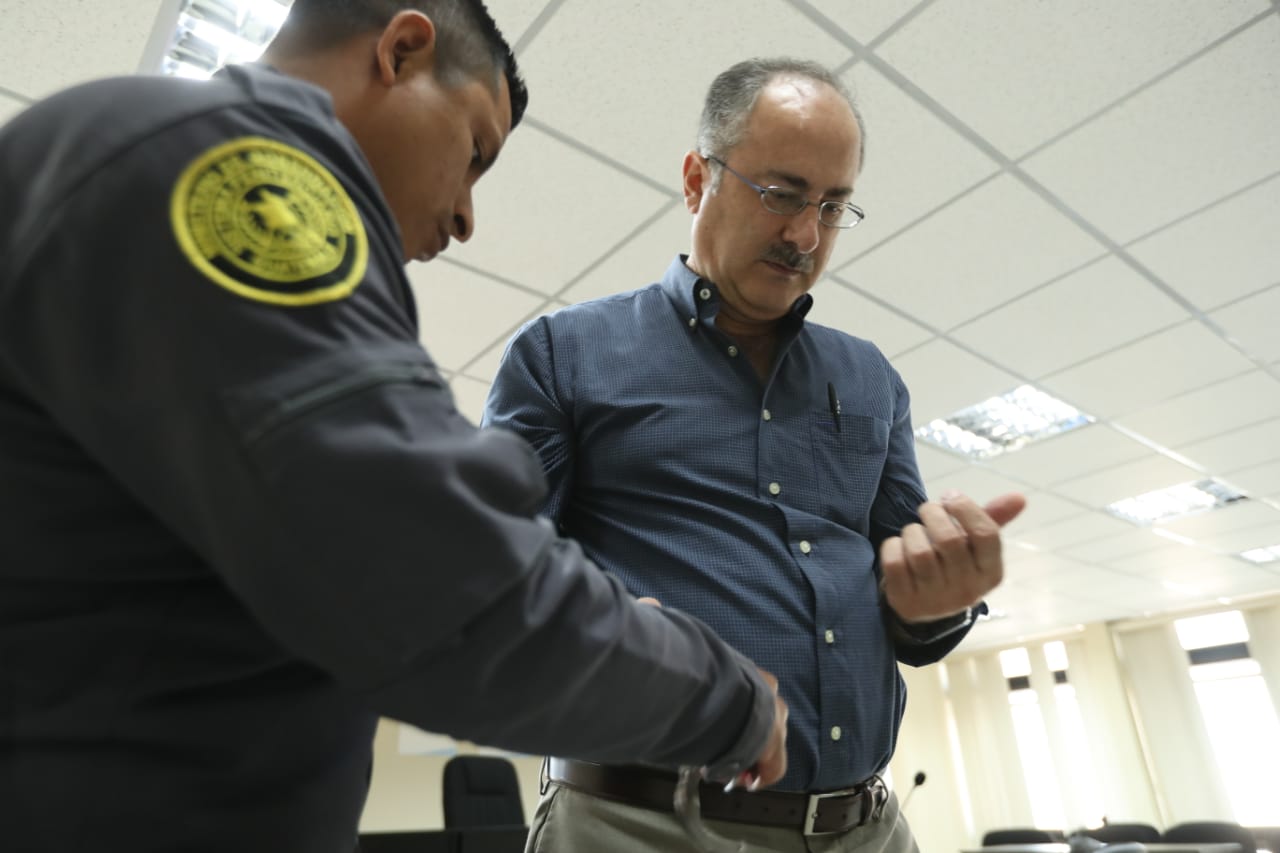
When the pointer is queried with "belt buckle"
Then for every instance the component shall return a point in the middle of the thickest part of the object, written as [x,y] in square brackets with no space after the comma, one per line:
[811,810]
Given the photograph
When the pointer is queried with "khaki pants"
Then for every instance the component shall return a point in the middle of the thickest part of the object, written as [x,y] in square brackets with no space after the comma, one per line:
[569,821]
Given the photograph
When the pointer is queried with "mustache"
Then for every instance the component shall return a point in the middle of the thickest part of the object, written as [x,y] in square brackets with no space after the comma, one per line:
[788,256]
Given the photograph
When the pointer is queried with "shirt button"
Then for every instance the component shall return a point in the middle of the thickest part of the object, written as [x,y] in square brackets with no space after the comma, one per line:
[693,321]
[835,733]
[704,294]
[830,637]
[805,547]
[767,415]
[733,351]
[775,489]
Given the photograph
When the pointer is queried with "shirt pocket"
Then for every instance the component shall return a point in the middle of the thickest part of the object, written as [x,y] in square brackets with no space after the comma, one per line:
[849,453]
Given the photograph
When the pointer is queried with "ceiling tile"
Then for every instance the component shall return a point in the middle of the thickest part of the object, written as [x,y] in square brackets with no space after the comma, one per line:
[1118,171]
[1235,516]
[515,16]
[1225,252]
[1100,307]
[1253,321]
[914,163]
[992,245]
[653,116]
[1161,559]
[1069,455]
[1127,480]
[1245,539]
[469,396]
[1208,411]
[1042,508]
[842,307]
[1222,578]
[461,313]
[640,261]
[866,20]
[10,107]
[1014,90]
[1077,529]
[37,37]
[936,464]
[1154,369]
[1091,582]
[1260,481]
[485,368]
[1106,550]
[937,392]
[1230,451]
[976,483]
[537,228]
[1023,567]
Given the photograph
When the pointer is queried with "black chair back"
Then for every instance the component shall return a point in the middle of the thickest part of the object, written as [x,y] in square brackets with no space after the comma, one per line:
[1113,833]
[1211,831]
[481,790]
[1020,835]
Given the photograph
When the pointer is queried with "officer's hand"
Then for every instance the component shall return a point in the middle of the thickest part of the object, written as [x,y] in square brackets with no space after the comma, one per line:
[950,560]
[772,763]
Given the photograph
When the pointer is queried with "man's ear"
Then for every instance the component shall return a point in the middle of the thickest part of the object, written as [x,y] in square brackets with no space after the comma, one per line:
[697,178]
[407,44]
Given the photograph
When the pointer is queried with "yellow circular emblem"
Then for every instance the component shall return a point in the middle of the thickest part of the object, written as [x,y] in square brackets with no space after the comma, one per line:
[268,222]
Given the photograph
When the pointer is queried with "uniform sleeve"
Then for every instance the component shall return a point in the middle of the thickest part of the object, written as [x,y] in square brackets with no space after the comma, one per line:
[276,413]
[527,399]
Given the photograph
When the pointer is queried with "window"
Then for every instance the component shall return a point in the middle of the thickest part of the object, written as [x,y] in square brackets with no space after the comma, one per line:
[1033,741]
[1244,731]
[1079,772]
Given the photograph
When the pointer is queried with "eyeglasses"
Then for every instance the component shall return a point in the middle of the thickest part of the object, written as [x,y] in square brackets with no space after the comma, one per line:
[780,200]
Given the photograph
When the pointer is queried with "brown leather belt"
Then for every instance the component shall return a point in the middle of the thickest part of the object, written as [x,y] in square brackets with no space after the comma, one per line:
[813,814]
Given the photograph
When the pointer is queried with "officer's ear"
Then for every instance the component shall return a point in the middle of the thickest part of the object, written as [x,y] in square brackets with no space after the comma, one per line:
[407,45]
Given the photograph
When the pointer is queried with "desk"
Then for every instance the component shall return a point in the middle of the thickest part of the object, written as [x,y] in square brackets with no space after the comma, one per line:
[1057,847]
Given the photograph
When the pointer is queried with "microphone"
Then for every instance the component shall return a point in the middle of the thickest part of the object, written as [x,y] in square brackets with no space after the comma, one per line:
[919,780]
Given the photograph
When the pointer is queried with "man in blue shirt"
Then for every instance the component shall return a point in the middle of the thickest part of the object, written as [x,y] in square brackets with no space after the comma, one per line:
[716,452]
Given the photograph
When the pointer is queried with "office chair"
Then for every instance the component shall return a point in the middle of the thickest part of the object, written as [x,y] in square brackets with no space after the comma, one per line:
[1020,835]
[1211,831]
[481,791]
[1113,833]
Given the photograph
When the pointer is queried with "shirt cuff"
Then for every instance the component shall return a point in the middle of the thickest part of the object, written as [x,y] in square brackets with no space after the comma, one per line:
[925,633]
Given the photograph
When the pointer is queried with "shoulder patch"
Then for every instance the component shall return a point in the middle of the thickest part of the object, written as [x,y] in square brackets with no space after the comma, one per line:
[268,222]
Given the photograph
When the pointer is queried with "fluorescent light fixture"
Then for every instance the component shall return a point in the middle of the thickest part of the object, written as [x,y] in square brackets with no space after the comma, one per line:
[212,33]
[1003,424]
[1269,554]
[1175,502]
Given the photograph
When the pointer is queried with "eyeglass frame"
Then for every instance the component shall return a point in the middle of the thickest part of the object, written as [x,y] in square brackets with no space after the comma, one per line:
[764,191]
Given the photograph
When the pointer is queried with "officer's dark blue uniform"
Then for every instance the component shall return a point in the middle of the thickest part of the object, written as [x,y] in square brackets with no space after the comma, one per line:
[240,516]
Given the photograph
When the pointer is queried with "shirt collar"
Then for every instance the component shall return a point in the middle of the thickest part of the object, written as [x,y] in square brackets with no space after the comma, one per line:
[697,298]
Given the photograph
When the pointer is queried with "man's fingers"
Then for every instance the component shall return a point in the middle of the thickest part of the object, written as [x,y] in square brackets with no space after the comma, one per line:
[653,602]
[1005,508]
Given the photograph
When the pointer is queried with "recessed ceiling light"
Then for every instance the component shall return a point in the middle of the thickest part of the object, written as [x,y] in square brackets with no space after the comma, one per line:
[1269,554]
[212,33]
[1175,502]
[1003,424]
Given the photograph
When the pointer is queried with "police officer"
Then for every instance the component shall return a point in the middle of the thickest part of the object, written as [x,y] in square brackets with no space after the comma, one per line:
[240,516]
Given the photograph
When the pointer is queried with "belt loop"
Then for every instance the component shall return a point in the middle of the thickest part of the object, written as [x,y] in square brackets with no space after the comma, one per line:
[544,776]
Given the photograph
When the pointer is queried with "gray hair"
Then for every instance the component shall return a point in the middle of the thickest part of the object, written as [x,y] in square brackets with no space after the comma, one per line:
[733,96]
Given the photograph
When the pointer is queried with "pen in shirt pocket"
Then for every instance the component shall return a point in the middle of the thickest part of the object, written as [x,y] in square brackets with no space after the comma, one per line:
[834,402]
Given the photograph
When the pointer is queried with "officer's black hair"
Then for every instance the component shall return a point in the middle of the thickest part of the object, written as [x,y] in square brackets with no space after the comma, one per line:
[468,41]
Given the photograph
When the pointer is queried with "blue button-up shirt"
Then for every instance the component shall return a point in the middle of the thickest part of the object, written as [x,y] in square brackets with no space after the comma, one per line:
[755,506]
